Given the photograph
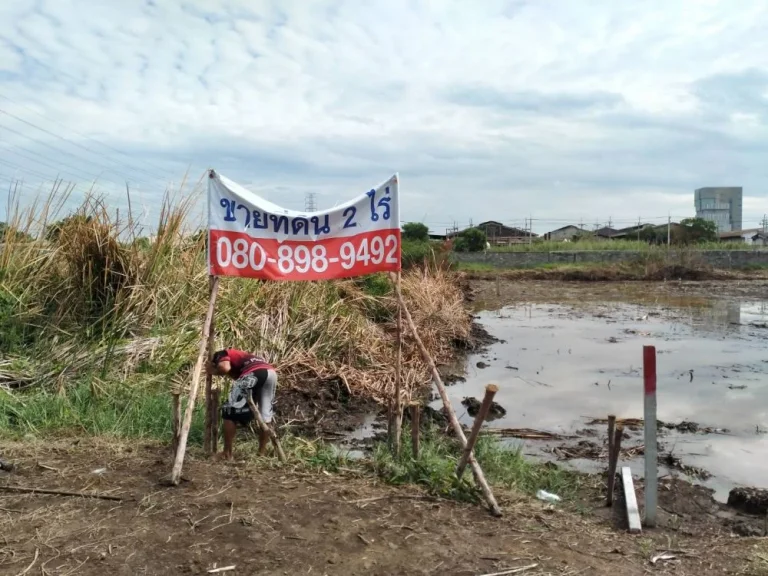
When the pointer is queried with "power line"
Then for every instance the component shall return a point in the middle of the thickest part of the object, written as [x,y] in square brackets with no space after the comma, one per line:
[29,171]
[65,140]
[160,170]
[45,163]
[42,143]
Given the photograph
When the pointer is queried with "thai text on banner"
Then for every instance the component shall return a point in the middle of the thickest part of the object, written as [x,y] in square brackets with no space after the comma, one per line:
[254,238]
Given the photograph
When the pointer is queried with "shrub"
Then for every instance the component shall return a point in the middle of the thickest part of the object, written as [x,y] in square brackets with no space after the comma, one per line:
[470,240]
[414,252]
[416,231]
[696,230]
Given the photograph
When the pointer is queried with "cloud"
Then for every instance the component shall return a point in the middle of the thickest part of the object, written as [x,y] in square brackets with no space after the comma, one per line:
[530,101]
[500,110]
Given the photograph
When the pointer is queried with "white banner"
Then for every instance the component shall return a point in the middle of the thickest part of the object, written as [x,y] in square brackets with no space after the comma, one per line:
[252,237]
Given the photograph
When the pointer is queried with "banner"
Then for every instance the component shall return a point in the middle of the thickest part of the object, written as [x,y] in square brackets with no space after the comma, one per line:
[251,237]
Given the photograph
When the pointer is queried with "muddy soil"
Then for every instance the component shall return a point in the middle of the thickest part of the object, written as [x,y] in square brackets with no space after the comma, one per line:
[324,410]
[269,520]
[487,293]
[619,273]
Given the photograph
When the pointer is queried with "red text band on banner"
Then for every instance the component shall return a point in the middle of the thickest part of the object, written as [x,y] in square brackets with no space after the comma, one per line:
[253,238]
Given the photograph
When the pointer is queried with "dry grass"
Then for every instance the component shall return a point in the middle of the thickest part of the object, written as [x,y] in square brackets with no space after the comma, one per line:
[88,296]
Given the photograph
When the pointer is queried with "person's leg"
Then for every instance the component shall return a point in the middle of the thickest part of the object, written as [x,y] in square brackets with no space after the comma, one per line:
[266,395]
[230,431]
[263,441]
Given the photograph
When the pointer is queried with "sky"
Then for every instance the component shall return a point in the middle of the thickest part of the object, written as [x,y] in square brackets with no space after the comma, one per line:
[579,111]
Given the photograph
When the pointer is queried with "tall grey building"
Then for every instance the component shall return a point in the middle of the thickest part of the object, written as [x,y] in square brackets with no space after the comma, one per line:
[721,205]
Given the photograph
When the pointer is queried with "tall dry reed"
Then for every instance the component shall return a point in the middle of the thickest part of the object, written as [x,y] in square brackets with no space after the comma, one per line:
[83,294]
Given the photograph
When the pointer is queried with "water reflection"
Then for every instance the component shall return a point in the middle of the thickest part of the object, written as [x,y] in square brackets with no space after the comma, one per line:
[561,365]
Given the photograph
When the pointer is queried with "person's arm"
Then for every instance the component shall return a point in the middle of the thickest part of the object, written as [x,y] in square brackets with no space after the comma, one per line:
[220,369]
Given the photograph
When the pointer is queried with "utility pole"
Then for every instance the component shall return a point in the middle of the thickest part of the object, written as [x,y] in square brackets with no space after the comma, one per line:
[530,230]
[638,228]
[669,229]
[310,204]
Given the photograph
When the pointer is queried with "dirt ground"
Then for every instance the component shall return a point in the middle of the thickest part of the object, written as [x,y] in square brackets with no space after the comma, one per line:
[266,519]
[269,520]
[489,292]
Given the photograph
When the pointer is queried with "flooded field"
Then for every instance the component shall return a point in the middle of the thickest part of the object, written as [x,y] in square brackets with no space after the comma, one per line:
[562,365]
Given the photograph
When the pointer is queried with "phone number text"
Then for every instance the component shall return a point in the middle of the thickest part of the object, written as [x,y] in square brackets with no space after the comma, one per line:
[236,254]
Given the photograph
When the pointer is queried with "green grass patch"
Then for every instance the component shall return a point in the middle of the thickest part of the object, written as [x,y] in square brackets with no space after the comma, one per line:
[475,267]
[118,411]
[435,467]
[139,412]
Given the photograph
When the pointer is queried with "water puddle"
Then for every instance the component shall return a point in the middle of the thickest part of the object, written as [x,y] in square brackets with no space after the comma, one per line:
[560,366]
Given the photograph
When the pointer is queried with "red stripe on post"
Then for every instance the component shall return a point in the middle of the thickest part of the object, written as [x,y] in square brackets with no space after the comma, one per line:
[649,369]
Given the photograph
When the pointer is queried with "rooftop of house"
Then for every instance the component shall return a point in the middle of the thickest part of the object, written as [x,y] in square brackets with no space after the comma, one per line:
[741,233]
[566,228]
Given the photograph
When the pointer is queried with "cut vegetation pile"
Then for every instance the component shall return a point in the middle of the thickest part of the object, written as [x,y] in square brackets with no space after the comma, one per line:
[88,304]
[650,266]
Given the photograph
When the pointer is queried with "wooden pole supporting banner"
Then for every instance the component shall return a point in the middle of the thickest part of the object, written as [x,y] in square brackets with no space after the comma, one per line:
[209,413]
[184,435]
[649,425]
[415,416]
[264,426]
[398,415]
[476,470]
[490,392]
[176,419]
[613,462]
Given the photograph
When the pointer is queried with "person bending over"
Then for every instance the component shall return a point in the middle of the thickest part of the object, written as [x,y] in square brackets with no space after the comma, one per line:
[252,375]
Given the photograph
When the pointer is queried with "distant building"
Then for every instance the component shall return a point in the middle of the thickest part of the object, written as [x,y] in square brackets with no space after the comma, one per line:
[604,233]
[721,205]
[500,235]
[630,232]
[565,233]
[753,236]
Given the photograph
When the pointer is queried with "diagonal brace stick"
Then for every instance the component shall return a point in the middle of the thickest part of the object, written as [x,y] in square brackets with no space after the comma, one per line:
[264,426]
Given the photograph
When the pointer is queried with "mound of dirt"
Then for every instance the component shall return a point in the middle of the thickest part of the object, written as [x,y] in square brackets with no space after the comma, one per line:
[614,273]
[749,500]
[473,408]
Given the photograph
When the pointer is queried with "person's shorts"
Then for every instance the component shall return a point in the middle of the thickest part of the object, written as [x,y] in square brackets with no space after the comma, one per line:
[261,385]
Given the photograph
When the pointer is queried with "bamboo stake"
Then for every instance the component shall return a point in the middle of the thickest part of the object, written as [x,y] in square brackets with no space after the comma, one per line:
[215,401]
[398,374]
[611,428]
[24,490]
[179,460]
[415,414]
[209,409]
[490,392]
[613,462]
[264,426]
[176,415]
[476,470]
[207,432]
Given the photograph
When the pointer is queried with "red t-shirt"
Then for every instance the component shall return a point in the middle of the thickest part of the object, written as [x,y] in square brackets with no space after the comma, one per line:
[243,363]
